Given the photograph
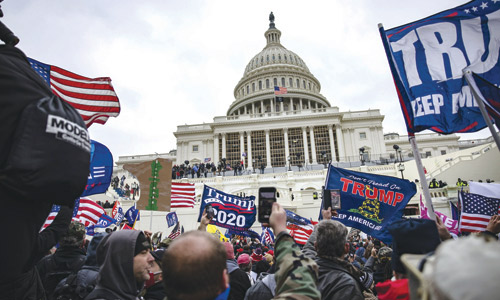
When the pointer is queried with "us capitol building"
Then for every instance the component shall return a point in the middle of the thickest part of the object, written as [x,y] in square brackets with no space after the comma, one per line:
[299,128]
[292,136]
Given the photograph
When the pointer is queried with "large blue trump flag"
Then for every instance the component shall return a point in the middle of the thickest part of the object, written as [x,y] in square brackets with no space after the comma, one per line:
[231,211]
[427,59]
[370,202]
[101,169]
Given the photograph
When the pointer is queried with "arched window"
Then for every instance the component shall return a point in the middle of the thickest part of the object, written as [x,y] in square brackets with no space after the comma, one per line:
[285,57]
[275,81]
[279,57]
[267,83]
[274,58]
[309,86]
[304,84]
[261,60]
[260,85]
[298,85]
[248,90]
[253,87]
[290,82]
[267,58]
[283,81]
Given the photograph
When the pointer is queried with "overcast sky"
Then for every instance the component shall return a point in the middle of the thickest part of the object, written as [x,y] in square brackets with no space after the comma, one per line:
[177,62]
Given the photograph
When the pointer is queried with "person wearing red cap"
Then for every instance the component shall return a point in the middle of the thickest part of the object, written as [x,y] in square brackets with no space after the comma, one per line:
[238,279]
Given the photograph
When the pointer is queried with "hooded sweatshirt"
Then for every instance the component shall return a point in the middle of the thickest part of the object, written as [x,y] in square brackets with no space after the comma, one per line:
[115,255]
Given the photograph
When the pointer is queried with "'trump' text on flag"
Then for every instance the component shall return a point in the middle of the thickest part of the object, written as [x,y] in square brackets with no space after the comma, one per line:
[369,202]
[427,59]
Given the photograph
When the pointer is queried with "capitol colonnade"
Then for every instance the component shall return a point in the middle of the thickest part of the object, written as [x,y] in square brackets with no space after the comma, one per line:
[278,147]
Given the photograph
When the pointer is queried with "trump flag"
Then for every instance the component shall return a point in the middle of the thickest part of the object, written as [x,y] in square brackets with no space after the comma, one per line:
[427,59]
[370,202]
[231,211]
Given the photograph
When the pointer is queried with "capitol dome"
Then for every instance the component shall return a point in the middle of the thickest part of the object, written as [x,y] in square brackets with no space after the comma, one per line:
[276,66]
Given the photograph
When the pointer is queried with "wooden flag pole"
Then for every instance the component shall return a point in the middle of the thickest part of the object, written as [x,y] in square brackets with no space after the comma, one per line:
[480,102]
[423,180]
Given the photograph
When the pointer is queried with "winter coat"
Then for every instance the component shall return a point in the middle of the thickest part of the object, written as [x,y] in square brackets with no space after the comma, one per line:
[238,280]
[115,254]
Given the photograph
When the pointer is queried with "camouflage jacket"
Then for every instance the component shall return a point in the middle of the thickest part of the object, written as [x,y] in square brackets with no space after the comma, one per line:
[296,275]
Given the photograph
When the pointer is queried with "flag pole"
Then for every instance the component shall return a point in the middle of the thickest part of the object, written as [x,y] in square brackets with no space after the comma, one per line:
[421,174]
[480,102]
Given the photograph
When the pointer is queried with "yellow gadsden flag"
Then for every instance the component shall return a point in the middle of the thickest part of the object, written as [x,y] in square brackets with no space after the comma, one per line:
[216,232]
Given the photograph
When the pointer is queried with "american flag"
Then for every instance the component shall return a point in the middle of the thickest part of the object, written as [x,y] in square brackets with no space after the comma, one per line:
[267,236]
[182,195]
[477,211]
[52,215]
[94,98]
[176,231]
[301,233]
[87,211]
[280,90]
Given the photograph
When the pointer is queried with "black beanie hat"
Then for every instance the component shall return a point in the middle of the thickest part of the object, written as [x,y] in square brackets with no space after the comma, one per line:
[141,244]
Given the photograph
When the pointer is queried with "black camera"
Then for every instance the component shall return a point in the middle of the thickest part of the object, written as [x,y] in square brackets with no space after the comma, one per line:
[210,211]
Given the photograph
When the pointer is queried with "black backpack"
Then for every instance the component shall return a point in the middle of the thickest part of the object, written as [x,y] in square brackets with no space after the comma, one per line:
[72,289]
[59,272]
[44,143]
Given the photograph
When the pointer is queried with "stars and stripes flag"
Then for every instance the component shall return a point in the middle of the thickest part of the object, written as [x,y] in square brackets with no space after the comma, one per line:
[477,211]
[52,215]
[94,98]
[280,90]
[88,212]
[182,195]
[176,231]
[267,236]
[301,233]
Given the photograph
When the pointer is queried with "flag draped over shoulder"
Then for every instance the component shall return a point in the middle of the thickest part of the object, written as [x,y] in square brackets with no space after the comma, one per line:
[94,98]
[101,169]
[477,211]
[231,211]
[182,195]
[370,202]
[427,59]
[88,212]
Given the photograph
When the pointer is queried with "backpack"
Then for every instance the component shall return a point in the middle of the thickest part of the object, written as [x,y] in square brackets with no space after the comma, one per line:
[71,289]
[59,272]
[44,143]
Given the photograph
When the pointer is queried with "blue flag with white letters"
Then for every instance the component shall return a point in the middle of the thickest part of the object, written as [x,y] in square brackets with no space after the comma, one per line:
[231,211]
[172,219]
[132,215]
[369,202]
[427,59]
[101,169]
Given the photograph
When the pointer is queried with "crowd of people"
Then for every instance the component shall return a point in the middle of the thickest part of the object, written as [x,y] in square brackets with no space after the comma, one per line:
[434,184]
[205,169]
[334,263]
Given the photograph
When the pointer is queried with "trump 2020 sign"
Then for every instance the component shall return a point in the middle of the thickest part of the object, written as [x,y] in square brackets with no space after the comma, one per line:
[231,211]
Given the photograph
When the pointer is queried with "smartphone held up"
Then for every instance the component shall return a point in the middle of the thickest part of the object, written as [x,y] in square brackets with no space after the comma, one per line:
[331,198]
[267,196]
